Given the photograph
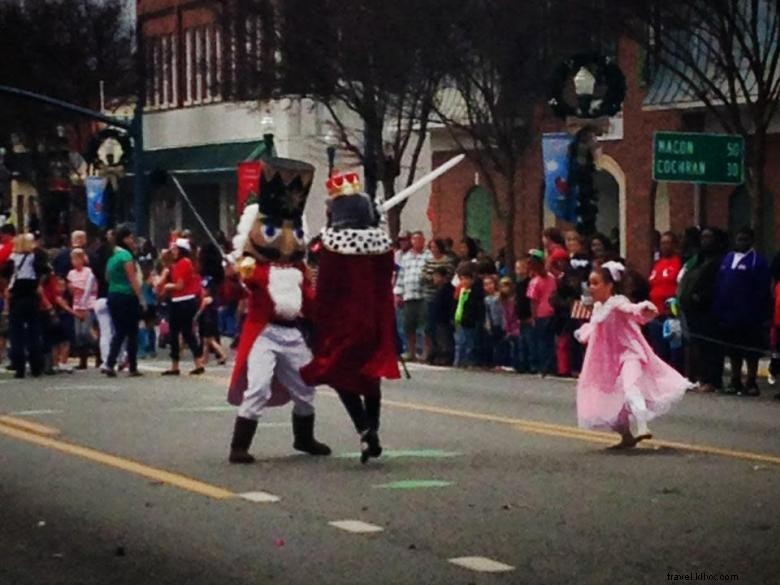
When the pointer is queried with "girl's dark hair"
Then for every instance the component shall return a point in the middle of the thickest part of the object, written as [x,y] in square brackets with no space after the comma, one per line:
[603,239]
[617,286]
[473,248]
[121,234]
[554,235]
[441,245]
[211,262]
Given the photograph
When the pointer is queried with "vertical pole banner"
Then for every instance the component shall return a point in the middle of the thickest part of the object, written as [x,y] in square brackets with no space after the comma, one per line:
[248,182]
[559,196]
[96,194]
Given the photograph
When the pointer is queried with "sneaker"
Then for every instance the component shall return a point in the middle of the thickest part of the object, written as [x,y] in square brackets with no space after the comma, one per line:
[771,380]
[134,374]
[111,373]
[65,368]
[171,373]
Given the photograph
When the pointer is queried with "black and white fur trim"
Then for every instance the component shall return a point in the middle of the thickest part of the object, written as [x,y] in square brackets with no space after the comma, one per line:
[357,242]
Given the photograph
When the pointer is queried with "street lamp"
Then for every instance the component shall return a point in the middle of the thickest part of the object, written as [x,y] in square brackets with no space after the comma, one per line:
[268,127]
[331,141]
[584,87]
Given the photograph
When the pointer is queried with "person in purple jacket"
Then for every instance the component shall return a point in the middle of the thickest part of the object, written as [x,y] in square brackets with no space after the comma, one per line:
[743,305]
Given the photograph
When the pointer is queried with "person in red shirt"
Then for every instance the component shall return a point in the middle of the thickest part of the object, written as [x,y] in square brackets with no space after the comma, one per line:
[663,286]
[7,234]
[184,289]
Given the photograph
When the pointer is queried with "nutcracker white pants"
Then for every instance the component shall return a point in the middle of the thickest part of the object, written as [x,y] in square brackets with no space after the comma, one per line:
[281,352]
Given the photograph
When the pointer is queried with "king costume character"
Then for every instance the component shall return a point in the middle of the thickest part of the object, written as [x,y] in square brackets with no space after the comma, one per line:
[354,317]
[272,349]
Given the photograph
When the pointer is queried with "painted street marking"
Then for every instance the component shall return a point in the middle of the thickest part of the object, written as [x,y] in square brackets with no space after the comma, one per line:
[565,431]
[34,412]
[260,497]
[482,564]
[409,453]
[83,387]
[29,426]
[414,484]
[152,473]
[356,526]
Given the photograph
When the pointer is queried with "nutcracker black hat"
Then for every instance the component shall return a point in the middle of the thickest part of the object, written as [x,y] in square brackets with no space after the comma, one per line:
[284,187]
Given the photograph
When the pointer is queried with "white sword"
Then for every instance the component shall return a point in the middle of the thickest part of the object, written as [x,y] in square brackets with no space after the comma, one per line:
[422,182]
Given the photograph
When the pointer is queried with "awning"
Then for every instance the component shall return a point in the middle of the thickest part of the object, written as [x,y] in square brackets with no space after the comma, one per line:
[209,158]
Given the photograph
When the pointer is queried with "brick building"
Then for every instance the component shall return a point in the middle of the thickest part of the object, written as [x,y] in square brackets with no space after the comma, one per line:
[629,199]
[201,119]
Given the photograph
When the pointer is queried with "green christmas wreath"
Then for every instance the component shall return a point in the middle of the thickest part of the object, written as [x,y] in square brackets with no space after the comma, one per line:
[608,76]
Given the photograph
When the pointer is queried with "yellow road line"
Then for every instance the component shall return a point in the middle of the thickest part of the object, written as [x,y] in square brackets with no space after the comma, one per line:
[562,431]
[27,425]
[166,477]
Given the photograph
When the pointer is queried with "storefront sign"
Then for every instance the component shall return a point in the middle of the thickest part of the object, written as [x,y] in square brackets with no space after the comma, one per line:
[698,158]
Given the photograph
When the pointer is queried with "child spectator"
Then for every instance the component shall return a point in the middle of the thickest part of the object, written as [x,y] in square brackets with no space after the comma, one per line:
[83,288]
[524,362]
[506,354]
[58,313]
[442,310]
[495,326]
[540,290]
[147,342]
[469,315]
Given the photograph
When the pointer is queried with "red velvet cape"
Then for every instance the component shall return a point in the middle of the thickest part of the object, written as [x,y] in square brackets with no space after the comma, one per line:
[354,323]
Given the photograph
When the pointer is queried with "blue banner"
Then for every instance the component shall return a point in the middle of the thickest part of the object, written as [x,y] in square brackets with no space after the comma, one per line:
[96,201]
[559,196]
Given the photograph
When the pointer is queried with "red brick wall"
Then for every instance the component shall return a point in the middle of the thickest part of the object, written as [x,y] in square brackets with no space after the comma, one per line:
[633,154]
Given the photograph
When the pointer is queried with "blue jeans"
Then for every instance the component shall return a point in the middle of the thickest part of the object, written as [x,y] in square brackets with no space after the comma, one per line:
[544,345]
[661,346]
[464,346]
[505,352]
[399,327]
[525,361]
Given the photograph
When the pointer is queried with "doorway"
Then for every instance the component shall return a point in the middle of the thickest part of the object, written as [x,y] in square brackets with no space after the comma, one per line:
[479,218]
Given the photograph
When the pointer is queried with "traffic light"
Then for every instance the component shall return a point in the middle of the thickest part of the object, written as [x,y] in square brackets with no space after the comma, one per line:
[581,171]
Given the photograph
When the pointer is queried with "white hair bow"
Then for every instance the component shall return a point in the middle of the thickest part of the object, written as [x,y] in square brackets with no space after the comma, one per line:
[616,270]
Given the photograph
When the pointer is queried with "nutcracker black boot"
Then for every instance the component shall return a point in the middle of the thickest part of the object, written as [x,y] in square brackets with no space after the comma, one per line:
[303,431]
[243,433]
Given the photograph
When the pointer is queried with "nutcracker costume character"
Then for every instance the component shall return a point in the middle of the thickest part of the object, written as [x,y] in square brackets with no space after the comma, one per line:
[271,242]
[354,318]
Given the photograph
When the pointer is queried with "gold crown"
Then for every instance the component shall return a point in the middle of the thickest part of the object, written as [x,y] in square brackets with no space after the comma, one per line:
[343,184]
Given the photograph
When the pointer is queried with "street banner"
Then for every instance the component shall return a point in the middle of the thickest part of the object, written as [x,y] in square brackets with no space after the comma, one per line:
[559,197]
[96,201]
[248,182]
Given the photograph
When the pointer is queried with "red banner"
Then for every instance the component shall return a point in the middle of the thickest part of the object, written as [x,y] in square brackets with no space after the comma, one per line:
[248,182]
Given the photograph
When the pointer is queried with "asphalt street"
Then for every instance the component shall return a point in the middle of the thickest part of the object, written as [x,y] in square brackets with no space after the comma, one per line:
[114,481]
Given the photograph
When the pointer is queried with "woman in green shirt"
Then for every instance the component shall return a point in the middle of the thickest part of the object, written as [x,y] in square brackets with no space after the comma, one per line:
[125,301]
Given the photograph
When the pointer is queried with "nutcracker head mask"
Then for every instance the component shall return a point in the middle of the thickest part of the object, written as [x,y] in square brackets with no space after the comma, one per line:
[271,228]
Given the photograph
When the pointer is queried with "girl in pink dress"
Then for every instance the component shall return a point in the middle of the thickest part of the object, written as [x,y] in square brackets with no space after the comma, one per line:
[623,384]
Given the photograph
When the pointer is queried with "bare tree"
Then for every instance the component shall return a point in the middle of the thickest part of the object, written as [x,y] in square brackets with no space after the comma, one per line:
[725,55]
[494,94]
[377,63]
[64,49]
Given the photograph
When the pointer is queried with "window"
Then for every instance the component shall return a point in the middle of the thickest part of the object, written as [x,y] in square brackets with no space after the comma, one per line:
[162,76]
[185,70]
[203,64]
